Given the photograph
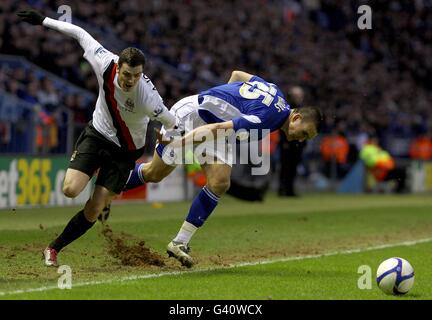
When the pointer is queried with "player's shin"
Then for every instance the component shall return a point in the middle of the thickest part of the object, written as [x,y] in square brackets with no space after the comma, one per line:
[76,227]
[202,206]
[136,178]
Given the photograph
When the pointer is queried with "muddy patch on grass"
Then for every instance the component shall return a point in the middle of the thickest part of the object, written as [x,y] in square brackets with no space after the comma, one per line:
[130,254]
[29,273]
[35,247]
[14,251]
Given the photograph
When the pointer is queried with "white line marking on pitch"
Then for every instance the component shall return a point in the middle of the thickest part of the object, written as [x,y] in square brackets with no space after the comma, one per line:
[243,264]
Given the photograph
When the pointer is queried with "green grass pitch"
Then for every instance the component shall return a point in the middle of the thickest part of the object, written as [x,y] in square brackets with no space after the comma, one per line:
[282,248]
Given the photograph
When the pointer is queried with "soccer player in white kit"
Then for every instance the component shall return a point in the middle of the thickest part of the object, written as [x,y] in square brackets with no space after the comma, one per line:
[114,139]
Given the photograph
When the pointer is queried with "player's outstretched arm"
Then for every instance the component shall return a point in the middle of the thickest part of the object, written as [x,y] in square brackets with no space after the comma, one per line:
[200,134]
[36,18]
[239,76]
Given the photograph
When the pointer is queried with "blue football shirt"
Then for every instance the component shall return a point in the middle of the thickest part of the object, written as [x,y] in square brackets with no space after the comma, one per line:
[255,104]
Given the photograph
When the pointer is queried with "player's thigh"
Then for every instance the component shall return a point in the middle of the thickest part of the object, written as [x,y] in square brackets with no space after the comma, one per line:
[115,170]
[74,182]
[99,199]
[83,164]
[156,169]
[218,177]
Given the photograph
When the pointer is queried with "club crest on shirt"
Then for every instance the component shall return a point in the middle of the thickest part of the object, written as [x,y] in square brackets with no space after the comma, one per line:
[129,105]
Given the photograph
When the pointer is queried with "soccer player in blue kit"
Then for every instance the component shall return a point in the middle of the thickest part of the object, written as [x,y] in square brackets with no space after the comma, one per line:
[246,102]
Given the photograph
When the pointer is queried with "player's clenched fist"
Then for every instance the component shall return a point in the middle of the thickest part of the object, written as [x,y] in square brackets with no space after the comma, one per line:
[31,16]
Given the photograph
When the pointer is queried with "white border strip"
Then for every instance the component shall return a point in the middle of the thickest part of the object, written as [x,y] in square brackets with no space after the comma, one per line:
[243,264]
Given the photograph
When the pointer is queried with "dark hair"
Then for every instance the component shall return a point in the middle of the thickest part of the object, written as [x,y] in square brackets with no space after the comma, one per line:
[132,56]
[314,115]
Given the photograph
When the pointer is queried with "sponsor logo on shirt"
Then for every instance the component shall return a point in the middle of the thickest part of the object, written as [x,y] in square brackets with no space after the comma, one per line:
[100,51]
[158,111]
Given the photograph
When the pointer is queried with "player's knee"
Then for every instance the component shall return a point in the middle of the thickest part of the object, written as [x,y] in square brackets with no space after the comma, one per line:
[70,191]
[219,186]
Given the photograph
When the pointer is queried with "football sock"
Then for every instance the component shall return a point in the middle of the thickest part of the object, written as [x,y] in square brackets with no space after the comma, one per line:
[76,227]
[136,178]
[202,206]
[186,232]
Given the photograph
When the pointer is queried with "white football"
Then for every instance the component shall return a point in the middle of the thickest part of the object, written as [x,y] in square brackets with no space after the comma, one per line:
[395,276]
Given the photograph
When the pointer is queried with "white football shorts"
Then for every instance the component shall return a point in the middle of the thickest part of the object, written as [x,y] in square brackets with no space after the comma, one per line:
[219,150]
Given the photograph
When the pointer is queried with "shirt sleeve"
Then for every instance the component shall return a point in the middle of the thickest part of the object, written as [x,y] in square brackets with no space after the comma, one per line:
[256,125]
[248,122]
[261,118]
[94,52]
[161,113]
[158,111]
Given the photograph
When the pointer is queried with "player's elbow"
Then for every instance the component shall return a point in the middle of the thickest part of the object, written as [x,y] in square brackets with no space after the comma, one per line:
[235,75]
[239,76]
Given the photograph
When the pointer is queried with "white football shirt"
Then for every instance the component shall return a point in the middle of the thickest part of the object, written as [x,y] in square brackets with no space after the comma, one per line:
[122,117]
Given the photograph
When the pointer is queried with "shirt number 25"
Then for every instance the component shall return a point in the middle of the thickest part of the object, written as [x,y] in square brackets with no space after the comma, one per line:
[256,89]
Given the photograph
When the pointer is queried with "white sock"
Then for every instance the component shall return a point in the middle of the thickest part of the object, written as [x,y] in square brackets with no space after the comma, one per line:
[185,233]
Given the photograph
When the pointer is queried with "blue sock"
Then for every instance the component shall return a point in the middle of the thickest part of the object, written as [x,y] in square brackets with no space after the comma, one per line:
[136,179]
[202,206]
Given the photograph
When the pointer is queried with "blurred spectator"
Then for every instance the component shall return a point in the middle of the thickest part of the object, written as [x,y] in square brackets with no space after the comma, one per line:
[334,150]
[81,113]
[47,95]
[31,93]
[46,138]
[5,135]
[421,147]
[382,166]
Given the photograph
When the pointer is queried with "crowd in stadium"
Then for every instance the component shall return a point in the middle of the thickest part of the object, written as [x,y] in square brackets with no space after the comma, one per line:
[28,87]
[368,82]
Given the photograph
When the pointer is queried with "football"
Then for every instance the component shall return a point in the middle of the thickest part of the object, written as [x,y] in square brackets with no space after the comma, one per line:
[395,276]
